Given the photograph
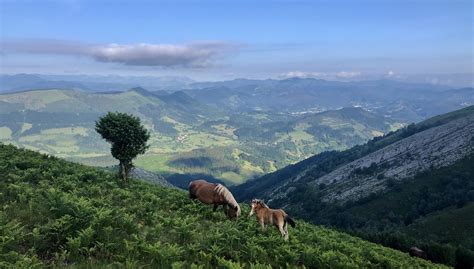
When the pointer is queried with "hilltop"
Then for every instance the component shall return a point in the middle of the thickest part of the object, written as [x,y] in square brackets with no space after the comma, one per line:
[61,214]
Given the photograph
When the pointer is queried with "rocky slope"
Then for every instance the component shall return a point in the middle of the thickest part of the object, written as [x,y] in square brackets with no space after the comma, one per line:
[369,168]
[433,148]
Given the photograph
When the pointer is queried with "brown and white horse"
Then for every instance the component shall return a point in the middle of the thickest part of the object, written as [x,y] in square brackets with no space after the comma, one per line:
[216,194]
[266,215]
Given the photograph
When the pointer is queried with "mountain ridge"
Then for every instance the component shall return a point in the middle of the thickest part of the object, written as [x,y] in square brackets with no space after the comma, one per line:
[349,155]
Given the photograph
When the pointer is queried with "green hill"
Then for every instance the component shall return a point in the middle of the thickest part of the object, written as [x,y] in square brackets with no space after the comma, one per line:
[61,214]
[184,131]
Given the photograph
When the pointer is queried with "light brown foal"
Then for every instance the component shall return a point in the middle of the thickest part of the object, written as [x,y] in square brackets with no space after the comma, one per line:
[266,215]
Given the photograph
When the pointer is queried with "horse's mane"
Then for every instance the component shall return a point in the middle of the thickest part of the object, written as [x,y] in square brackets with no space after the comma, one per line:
[261,202]
[228,197]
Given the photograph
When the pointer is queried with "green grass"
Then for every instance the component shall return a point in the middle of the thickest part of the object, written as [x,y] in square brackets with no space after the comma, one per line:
[5,133]
[67,131]
[450,225]
[36,99]
[60,214]
[155,163]
[224,164]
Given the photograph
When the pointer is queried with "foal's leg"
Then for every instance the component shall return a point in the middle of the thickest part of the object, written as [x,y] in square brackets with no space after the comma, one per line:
[282,231]
[286,230]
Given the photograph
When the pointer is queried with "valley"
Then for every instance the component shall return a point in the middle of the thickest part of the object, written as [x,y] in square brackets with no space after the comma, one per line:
[222,131]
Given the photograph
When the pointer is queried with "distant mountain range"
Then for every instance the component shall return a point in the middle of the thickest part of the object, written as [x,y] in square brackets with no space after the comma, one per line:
[400,100]
[21,82]
[410,102]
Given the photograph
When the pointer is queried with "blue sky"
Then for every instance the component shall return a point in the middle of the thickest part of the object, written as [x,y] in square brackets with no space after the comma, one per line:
[226,39]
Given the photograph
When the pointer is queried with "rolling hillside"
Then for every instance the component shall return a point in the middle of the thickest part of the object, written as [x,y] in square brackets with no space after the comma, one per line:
[405,182]
[189,138]
[60,214]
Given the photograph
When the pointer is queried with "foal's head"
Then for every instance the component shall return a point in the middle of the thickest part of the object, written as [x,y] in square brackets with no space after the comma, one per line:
[256,205]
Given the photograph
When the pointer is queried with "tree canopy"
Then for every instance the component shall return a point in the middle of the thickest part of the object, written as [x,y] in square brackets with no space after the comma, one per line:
[127,136]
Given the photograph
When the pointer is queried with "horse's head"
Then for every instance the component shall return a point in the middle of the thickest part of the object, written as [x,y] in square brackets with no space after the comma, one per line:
[233,212]
[255,205]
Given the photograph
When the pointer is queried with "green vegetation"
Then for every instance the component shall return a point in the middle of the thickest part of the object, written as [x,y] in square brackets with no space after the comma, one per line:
[431,210]
[60,214]
[127,136]
[61,122]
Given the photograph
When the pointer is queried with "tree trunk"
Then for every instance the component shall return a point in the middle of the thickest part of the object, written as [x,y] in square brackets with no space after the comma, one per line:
[123,172]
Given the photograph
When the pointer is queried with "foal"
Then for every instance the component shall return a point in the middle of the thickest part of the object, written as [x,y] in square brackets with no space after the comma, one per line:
[266,215]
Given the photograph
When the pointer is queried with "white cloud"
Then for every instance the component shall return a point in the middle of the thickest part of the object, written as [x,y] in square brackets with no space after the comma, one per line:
[302,74]
[198,54]
[345,74]
[322,75]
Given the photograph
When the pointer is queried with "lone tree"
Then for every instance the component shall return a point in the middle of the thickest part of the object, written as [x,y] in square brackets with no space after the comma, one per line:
[127,136]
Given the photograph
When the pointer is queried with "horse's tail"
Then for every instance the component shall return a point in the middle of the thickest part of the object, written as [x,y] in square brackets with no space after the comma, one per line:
[290,221]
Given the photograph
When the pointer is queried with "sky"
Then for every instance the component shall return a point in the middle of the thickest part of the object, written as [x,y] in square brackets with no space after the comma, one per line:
[217,40]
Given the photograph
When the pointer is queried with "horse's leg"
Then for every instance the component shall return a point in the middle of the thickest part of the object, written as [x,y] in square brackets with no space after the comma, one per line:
[262,223]
[215,207]
[282,231]
[286,230]
[224,206]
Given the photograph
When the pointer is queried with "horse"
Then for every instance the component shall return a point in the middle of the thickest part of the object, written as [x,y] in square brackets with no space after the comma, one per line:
[266,215]
[216,194]
[416,252]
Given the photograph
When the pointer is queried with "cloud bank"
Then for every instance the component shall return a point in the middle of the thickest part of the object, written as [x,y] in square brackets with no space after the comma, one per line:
[322,75]
[197,54]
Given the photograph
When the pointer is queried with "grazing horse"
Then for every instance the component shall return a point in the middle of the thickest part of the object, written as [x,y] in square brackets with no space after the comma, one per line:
[266,215]
[416,252]
[217,194]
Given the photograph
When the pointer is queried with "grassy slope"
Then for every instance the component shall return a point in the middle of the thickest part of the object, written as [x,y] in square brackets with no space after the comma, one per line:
[64,214]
